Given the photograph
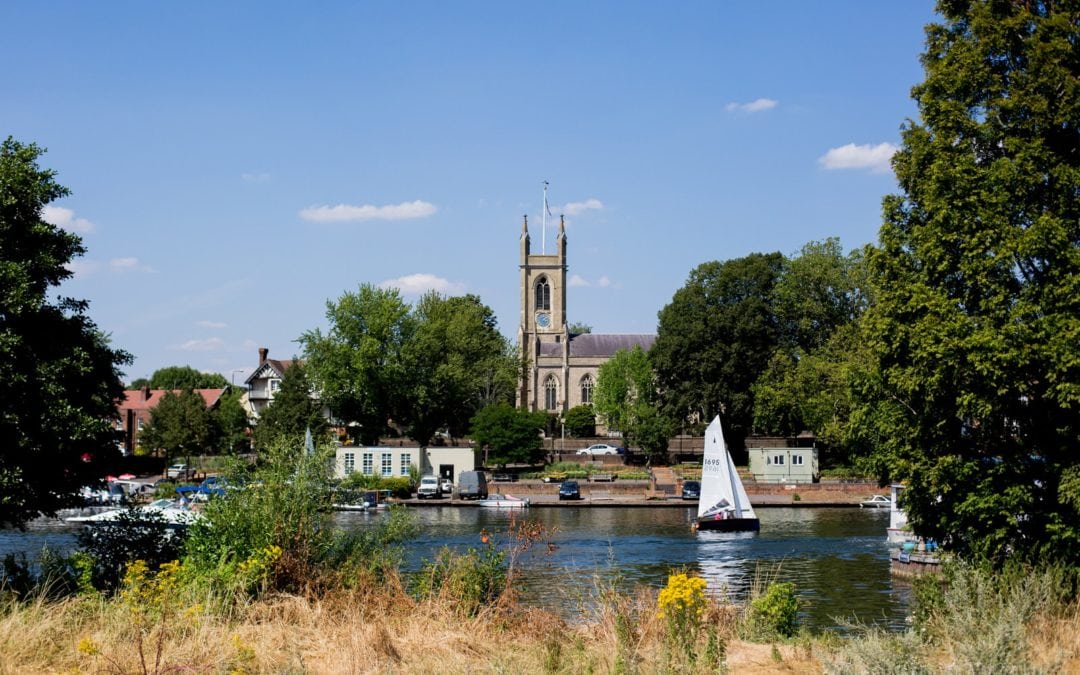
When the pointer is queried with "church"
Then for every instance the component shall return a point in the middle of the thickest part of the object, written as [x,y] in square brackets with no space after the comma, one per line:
[560,367]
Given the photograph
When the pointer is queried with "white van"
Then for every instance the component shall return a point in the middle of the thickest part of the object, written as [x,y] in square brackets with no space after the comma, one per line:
[429,488]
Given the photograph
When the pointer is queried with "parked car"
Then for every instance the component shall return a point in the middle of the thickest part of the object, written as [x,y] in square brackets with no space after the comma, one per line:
[600,449]
[447,486]
[429,488]
[504,478]
[569,490]
[691,489]
[179,472]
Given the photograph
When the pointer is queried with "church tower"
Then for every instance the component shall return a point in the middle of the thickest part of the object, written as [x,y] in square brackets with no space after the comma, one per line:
[542,328]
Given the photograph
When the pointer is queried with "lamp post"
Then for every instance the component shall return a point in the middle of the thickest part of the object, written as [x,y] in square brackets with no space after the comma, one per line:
[233,374]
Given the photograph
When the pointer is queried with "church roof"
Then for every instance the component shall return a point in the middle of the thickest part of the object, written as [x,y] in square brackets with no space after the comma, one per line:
[599,344]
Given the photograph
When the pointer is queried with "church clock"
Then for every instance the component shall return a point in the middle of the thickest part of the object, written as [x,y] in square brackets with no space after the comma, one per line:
[543,319]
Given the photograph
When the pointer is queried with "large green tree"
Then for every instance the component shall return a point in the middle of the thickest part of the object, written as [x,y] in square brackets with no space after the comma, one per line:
[181,426]
[59,377]
[358,365]
[453,359]
[505,434]
[293,411]
[183,377]
[715,337]
[626,398]
[974,397]
[233,423]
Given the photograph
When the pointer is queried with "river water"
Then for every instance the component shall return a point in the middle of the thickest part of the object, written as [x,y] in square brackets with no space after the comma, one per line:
[836,557]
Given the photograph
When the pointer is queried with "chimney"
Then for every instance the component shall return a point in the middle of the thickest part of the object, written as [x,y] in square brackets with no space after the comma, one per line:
[263,351]
[146,392]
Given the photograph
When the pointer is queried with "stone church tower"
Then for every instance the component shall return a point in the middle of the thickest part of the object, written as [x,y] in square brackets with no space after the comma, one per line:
[559,368]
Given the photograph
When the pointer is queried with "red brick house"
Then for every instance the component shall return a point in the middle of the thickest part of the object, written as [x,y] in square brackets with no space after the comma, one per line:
[134,411]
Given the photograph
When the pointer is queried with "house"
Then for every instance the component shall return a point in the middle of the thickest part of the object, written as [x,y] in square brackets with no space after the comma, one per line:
[782,463]
[447,462]
[133,411]
[264,382]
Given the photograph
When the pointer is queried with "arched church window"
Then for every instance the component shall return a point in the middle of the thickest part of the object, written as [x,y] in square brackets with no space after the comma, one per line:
[543,294]
[587,385]
[551,393]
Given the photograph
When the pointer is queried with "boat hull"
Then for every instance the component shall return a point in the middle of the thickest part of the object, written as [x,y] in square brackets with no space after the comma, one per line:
[729,524]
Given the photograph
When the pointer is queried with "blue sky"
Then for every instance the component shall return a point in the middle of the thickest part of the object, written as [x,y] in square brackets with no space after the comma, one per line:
[235,165]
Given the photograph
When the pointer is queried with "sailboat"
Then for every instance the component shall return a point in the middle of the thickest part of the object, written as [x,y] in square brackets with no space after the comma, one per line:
[723,505]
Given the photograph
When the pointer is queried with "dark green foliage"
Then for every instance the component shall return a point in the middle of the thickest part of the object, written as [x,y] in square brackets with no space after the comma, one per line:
[184,377]
[627,400]
[580,421]
[59,377]
[293,411]
[973,394]
[52,576]
[181,426]
[508,434]
[473,579]
[715,337]
[136,535]
[358,365]
[773,614]
[232,423]
[456,363]
[579,328]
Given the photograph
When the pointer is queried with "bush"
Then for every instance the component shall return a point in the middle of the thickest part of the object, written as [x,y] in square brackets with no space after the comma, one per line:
[772,614]
[471,580]
[135,535]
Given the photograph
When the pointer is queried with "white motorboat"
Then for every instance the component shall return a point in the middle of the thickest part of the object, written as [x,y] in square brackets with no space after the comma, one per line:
[162,512]
[723,505]
[497,501]
[876,502]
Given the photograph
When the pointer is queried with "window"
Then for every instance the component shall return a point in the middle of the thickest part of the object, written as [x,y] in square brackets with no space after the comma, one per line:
[551,393]
[140,424]
[543,294]
[274,386]
[387,464]
[350,462]
[778,460]
[406,461]
[368,467]
[586,389]
[796,460]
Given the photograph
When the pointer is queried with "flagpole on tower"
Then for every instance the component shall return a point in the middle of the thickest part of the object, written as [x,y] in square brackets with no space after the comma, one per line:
[543,221]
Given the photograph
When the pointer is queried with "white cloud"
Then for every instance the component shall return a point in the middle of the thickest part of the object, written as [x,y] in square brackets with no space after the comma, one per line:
[574,208]
[128,264]
[576,280]
[418,284]
[873,157]
[603,282]
[346,212]
[83,268]
[209,345]
[254,177]
[65,218]
[211,324]
[757,105]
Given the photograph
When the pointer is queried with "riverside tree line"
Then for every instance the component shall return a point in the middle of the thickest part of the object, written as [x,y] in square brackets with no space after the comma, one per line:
[945,355]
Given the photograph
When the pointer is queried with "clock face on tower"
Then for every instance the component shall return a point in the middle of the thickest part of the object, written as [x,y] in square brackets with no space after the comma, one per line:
[543,319]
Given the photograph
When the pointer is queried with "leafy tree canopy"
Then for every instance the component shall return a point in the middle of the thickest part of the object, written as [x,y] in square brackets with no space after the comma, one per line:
[626,399]
[579,328]
[509,434]
[358,365]
[580,421]
[184,377]
[232,422]
[974,394]
[180,426]
[59,377]
[715,337]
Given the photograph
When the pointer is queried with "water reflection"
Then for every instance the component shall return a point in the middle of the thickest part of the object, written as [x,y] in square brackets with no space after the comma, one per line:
[837,558]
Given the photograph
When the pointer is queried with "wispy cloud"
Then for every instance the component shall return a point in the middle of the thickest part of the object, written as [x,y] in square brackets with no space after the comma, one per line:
[254,177]
[576,280]
[876,158]
[65,218]
[347,212]
[128,264]
[418,284]
[83,268]
[211,324]
[574,208]
[213,344]
[755,106]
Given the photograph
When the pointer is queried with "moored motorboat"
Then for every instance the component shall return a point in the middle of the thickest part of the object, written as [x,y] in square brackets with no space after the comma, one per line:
[876,502]
[497,501]
[166,513]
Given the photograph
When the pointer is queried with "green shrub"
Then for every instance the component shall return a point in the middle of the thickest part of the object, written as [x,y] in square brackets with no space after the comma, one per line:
[471,580]
[772,614]
[134,535]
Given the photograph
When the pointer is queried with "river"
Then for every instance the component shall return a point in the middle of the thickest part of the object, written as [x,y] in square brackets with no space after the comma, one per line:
[836,557]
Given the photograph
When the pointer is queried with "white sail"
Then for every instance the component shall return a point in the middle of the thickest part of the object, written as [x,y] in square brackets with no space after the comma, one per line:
[721,489]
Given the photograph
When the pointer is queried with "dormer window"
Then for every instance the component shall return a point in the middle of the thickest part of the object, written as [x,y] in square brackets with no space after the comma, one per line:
[543,294]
